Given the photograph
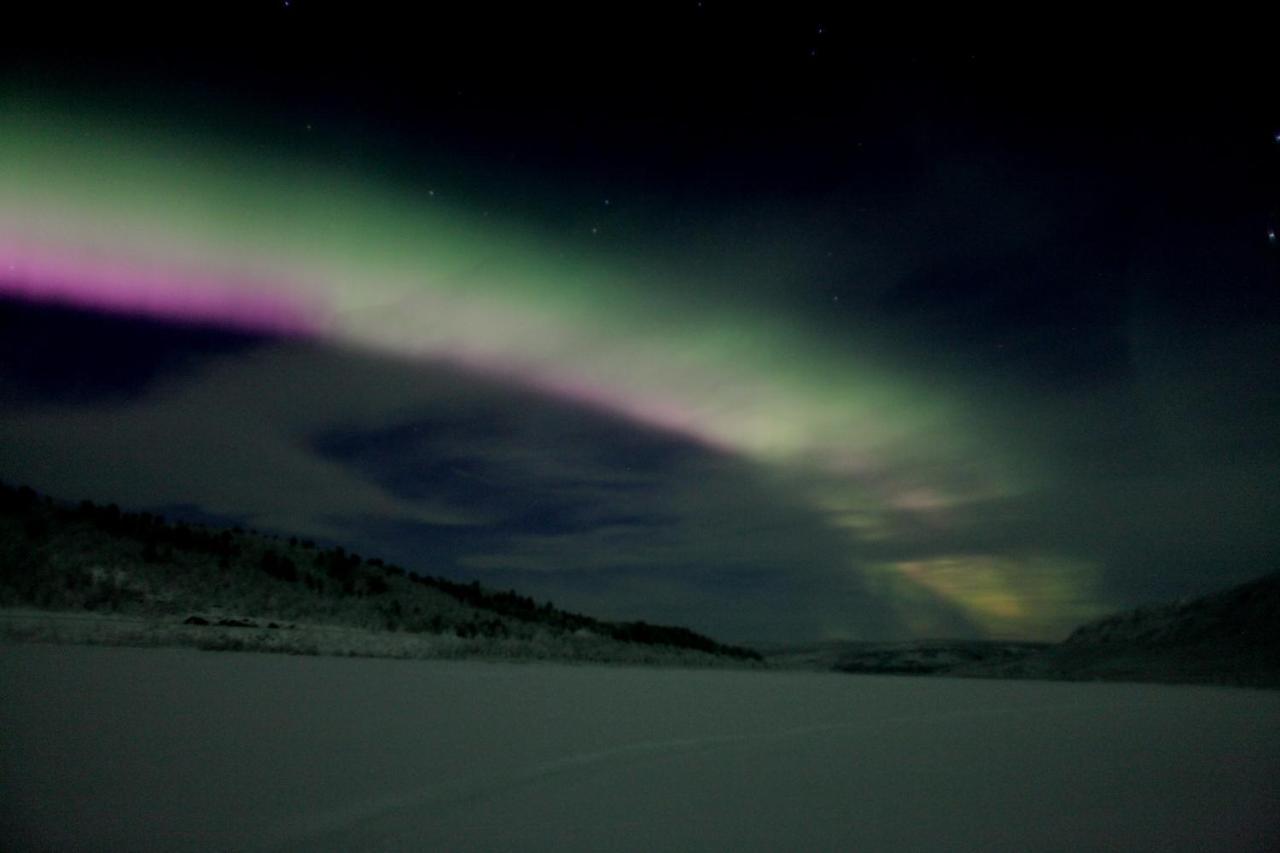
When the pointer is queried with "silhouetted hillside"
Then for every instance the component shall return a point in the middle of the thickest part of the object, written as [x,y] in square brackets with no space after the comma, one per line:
[1228,637]
[908,657]
[1246,615]
[87,558]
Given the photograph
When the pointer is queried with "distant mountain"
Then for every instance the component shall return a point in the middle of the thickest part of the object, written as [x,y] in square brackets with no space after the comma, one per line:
[908,657]
[1229,637]
[91,573]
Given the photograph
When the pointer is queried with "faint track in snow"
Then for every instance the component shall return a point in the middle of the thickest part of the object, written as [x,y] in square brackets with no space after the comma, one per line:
[357,825]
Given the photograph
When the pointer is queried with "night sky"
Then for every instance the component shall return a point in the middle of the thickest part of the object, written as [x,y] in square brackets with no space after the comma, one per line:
[780,324]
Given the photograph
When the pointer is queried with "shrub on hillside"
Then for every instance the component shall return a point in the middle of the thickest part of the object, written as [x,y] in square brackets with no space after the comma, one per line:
[279,567]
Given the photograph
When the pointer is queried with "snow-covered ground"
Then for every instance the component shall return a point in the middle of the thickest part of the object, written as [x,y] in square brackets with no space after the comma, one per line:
[176,749]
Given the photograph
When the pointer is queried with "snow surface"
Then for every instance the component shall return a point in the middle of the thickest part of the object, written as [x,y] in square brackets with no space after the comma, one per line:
[175,749]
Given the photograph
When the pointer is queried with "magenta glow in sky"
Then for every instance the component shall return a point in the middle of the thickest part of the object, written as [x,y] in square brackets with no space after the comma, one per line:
[153,287]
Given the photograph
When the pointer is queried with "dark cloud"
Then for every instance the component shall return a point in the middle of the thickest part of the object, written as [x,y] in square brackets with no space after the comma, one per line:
[55,354]
[603,515]
[449,473]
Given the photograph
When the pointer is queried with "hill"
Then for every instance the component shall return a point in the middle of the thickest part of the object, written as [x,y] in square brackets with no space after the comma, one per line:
[908,657]
[91,573]
[1228,637]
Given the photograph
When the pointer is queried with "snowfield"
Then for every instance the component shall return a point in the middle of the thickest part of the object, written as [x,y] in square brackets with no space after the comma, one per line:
[176,749]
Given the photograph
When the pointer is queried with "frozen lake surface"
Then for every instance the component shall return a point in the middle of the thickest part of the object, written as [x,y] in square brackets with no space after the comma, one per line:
[160,749]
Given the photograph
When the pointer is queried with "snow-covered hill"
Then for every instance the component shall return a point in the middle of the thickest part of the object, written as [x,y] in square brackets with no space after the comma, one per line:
[1228,637]
[96,574]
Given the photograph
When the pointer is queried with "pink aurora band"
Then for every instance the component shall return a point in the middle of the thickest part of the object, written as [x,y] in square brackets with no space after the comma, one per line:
[124,283]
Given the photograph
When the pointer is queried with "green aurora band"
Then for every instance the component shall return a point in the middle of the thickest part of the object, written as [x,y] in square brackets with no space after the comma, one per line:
[234,235]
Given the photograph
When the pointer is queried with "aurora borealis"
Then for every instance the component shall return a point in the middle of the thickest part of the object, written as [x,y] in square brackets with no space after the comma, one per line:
[985,379]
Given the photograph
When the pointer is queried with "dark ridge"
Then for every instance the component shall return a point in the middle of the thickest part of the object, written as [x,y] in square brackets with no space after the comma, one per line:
[166,567]
[1227,638]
